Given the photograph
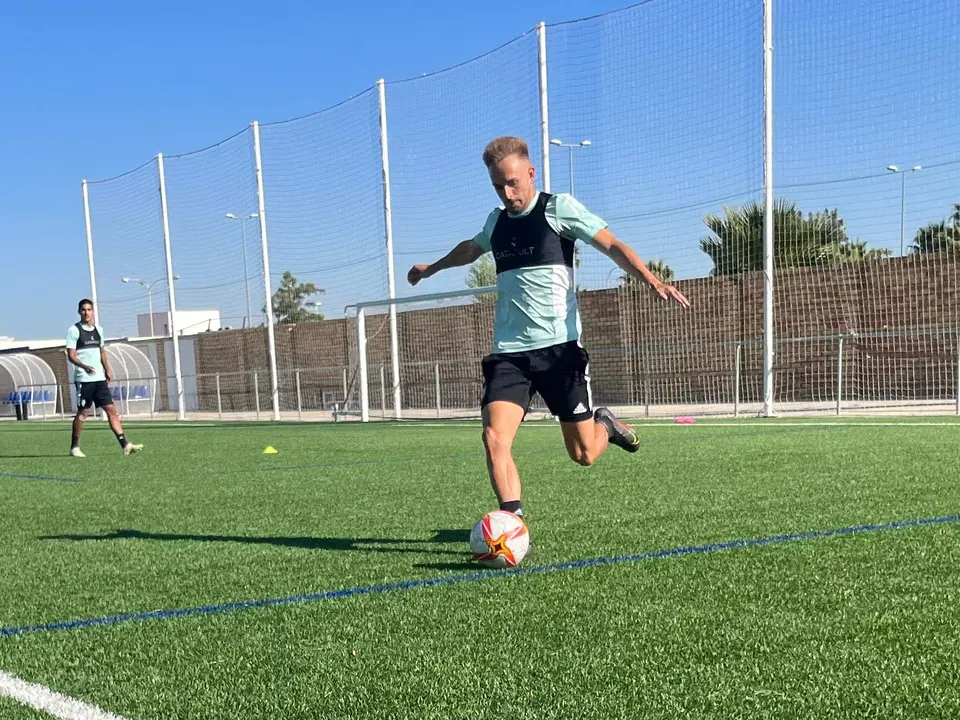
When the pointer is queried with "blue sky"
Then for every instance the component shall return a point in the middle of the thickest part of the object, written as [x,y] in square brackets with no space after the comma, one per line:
[669,92]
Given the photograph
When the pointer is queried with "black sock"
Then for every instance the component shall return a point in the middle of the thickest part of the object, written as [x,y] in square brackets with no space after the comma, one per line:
[123,440]
[75,442]
[513,506]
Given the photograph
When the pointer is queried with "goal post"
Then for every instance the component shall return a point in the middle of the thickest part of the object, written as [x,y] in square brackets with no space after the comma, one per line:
[442,338]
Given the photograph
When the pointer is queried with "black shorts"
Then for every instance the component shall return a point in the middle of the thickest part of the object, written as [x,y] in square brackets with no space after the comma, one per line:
[560,373]
[93,393]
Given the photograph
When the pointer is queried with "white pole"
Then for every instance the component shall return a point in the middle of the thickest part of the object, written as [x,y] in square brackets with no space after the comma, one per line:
[544,107]
[219,400]
[174,336]
[840,376]
[436,374]
[264,250]
[958,375]
[299,398]
[362,352]
[768,409]
[736,380]
[388,230]
[383,395]
[256,392]
[93,275]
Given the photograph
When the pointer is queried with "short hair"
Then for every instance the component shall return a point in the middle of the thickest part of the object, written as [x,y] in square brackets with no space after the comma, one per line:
[502,147]
[85,301]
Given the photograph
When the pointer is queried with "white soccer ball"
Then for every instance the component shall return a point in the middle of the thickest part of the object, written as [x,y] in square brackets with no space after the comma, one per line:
[499,540]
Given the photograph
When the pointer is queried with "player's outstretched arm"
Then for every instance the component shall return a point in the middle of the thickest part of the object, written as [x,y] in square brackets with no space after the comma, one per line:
[631,263]
[463,254]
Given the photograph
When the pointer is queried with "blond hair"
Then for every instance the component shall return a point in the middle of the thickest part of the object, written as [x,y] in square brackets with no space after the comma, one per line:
[502,147]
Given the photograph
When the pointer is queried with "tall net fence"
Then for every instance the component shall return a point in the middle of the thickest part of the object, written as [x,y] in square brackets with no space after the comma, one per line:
[867,174]
[656,117]
[439,125]
[669,97]
[128,252]
[217,258]
[324,194]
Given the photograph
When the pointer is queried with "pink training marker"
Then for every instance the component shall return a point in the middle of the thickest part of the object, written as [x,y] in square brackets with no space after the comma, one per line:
[686,420]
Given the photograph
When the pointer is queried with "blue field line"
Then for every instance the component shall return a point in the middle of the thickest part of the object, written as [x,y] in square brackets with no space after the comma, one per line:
[28,476]
[465,578]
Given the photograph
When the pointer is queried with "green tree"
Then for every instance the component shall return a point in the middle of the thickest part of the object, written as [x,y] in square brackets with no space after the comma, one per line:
[736,241]
[942,236]
[290,300]
[483,273]
[663,272]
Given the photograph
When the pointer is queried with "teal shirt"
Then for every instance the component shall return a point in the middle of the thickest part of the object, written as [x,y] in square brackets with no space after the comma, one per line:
[88,356]
[537,306]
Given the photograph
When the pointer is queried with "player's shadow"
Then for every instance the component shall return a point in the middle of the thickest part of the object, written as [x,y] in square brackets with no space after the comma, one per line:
[27,456]
[381,545]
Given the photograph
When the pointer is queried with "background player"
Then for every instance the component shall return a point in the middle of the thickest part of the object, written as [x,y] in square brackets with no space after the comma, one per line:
[91,375]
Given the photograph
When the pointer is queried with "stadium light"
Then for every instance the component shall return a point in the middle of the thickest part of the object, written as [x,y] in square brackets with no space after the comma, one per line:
[571,147]
[903,195]
[243,246]
[149,288]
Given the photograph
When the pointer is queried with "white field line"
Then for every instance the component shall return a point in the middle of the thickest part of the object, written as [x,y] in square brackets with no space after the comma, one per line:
[53,703]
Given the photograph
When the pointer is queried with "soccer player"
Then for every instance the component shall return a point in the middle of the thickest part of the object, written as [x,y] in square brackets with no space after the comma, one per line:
[91,375]
[537,322]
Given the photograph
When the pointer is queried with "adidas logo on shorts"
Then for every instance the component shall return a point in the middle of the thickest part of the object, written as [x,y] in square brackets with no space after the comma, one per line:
[579,409]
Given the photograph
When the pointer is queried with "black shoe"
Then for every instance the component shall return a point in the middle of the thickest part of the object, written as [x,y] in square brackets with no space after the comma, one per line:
[619,434]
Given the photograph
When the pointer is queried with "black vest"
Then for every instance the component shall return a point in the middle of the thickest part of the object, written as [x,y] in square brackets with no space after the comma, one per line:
[88,338]
[529,241]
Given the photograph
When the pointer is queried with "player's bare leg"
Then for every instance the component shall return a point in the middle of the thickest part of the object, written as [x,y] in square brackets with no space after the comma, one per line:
[501,420]
[78,420]
[128,447]
[585,440]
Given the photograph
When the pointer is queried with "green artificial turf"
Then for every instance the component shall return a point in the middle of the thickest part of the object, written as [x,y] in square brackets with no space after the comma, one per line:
[860,625]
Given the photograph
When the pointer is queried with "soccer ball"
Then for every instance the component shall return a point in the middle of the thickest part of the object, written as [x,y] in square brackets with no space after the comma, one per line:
[499,540]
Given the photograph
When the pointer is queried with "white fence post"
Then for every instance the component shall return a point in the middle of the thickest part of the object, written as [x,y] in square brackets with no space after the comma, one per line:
[174,335]
[736,379]
[768,250]
[436,374]
[265,252]
[958,374]
[299,398]
[90,263]
[840,375]
[219,400]
[362,353]
[383,394]
[544,106]
[388,231]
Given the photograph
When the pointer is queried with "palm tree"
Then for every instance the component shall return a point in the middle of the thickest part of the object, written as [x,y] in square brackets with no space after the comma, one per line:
[663,272]
[942,236]
[736,241]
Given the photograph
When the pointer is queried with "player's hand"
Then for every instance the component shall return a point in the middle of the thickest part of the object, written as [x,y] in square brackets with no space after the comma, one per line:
[109,375]
[669,292]
[88,369]
[417,273]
